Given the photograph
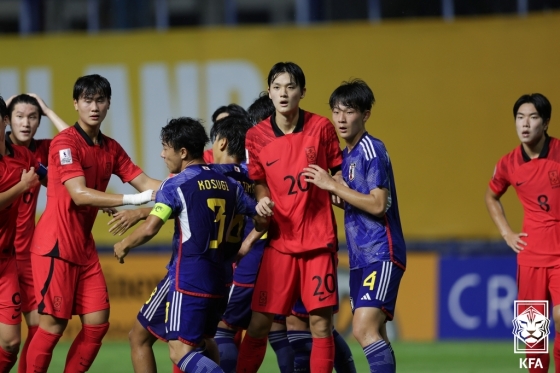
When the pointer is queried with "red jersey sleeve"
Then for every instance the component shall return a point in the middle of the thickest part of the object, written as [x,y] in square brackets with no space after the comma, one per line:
[64,155]
[334,154]
[254,165]
[123,166]
[500,180]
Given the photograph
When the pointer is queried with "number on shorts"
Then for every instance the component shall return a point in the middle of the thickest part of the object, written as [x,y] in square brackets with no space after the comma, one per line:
[151,295]
[166,311]
[370,280]
[218,206]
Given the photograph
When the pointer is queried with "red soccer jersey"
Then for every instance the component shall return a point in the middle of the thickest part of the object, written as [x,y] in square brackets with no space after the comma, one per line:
[537,183]
[208,156]
[64,230]
[28,205]
[303,219]
[11,166]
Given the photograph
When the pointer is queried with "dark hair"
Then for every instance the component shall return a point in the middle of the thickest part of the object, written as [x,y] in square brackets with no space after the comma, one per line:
[233,128]
[3,109]
[261,109]
[185,133]
[291,68]
[24,99]
[355,94]
[230,109]
[540,102]
[90,85]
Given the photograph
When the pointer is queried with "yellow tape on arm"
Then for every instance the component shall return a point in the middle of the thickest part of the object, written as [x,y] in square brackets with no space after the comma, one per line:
[161,211]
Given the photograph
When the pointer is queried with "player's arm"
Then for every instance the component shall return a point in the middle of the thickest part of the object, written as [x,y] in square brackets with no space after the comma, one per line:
[374,203]
[262,195]
[125,219]
[140,236]
[84,196]
[249,242]
[497,213]
[29,180]
[54,118]
[143,182]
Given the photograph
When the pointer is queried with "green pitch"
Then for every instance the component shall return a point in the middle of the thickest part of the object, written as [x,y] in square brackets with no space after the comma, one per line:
[456,357]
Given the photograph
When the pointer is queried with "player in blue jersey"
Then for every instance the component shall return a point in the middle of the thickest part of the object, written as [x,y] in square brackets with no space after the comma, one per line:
[185,307]
[371,221]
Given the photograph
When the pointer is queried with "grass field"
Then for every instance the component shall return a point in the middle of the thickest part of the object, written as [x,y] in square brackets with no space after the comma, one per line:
[437,357]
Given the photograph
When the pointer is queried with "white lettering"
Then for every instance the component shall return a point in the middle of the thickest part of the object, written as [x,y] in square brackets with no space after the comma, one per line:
[454,301]
[500,304]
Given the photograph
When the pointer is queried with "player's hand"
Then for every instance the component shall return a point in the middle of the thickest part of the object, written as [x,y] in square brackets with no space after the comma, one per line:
[515,241]
[316,175]
[154,194]
[264,207]
[120,251]
[109,210]
[29,179]
[44,106]
[123,220]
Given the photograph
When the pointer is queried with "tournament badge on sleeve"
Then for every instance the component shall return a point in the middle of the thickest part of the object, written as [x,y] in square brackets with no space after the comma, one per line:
[531,327]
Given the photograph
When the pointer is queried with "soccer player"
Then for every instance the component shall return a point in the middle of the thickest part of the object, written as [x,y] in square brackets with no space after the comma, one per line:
[532,170]
[66,271]
[220,113]
[17,176]
[25,112]
[302,247]
[372,223]
[185,307]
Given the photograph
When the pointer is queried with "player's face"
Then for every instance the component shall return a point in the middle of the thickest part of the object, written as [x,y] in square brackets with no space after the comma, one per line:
[285,94]
[92,110]
[529,124]
[171,158]
[24,122]
[349,122]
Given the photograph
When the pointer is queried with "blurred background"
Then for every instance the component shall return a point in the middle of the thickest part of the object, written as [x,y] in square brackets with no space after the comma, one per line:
[445,74]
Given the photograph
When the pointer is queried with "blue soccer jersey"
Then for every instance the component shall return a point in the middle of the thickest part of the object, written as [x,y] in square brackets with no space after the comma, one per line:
[204,203]
[370,239]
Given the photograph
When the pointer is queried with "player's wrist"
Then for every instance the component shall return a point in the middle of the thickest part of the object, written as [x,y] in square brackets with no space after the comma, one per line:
[138,198]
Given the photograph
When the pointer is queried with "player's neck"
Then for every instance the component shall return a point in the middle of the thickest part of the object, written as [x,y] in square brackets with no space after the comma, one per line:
[287,122]
[354,140]
[91,131]
[534,150]
[191,162]
[17,142]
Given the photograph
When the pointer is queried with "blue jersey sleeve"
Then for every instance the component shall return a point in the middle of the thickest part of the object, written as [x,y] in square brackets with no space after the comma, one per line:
[168,196]
[245,204]
[376,170]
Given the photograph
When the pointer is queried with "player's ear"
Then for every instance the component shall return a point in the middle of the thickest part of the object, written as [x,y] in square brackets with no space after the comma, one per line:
[76,105]
[367,114]
[184,153]
[222,144]
[303,92]
[545,125]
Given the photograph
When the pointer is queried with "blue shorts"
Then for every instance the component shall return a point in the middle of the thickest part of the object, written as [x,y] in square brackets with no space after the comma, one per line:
[173,315]
[238,311]
[376,285]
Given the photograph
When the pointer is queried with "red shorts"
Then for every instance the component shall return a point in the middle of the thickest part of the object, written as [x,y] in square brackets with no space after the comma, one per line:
[10,300]
[539,283]
[64,289]
[282,278]
[26,288]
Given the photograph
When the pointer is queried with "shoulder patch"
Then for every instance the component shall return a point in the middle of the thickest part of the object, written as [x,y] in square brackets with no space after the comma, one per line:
[65,156]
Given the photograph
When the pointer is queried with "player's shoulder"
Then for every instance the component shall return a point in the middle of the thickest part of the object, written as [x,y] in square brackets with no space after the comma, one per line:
[264,127]
[22,152]
[315,120]
[370,147]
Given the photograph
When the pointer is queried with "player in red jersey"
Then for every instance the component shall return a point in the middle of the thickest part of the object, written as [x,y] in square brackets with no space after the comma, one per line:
[17,176]
[300,257]
[66,270]
[25,112]
[533,170]
[220,113]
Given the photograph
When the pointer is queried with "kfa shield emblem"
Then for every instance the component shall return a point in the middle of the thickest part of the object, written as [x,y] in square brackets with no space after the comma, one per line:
[351,171]
[311,155]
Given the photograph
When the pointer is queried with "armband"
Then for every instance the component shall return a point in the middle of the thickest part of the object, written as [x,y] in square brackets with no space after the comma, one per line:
[161,211]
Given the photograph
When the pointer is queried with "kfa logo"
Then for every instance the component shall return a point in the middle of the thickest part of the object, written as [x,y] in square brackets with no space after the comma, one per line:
[531,328]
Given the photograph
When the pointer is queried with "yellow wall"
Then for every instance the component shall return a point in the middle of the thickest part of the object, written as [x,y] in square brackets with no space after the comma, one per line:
[445,93]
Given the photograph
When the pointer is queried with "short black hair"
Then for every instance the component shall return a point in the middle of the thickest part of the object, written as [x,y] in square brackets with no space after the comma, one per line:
[541,103]
[233,128]
[3,109]
[90,85]
[261,109]
[24,99]
[185,133]
[231,109]
[355,94]
[287,67]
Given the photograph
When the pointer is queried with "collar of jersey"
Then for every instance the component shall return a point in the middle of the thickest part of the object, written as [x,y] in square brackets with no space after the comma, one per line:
[543,153]
[87,139]
[9,148]
[299,126]
[32,144]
